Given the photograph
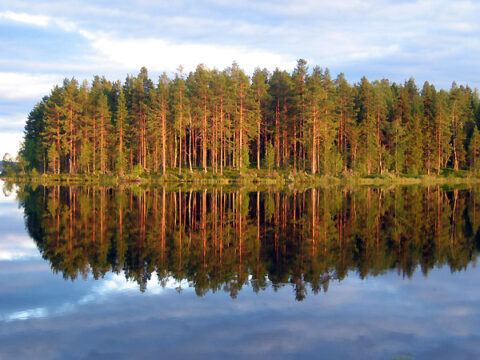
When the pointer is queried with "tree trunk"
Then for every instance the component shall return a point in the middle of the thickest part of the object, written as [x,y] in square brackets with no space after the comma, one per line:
[180,134]
[120,148]
[314,142]
[164,137]
[277,139]
[240,142]
[204,135]
[94,166]
[222,140]
[259,120]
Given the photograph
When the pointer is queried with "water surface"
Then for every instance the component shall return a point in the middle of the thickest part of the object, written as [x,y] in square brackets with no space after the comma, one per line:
[130,272]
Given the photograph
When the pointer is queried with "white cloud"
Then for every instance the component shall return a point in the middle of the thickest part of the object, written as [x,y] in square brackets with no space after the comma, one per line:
[114,283]
[10,142]
[8,198]
[37,20]
[460,27]
[67,68]
[158,54]
[26,314]
[23,86]
[14,122]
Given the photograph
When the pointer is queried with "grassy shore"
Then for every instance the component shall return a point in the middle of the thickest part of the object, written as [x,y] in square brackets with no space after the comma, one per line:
[246,177]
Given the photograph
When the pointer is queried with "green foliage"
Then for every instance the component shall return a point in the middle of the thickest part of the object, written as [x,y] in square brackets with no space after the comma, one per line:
[22,164]
[270,157]
[474,151]
[138,170]
[85,156]
[245,157]
[53,157]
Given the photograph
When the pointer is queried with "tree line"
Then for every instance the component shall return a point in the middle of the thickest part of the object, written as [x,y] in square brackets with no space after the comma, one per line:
[212,120]
[225,239]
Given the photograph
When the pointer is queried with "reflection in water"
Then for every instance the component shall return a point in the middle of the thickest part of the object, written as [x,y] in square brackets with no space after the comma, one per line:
[225,239]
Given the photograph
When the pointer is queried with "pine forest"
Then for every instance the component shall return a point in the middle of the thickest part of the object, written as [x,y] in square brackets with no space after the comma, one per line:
[214,121]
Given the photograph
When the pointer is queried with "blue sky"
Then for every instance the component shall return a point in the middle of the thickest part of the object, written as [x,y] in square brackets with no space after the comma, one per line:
[42,42]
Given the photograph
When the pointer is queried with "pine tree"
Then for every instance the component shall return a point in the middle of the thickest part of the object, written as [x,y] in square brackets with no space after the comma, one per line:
[138,116]
[162,105]
[241,85]
[381,93]
[94,94]
[299,103]
[259,91]
[281,93]
[121,116]
[314,94]
[85,145]
[221,85]
[414,140]
[345,108]
[70,115]
[104,122]
[443,132]
[368,144]
[329,155]
[429,127]
[202,91]
[460,113]
[52,135]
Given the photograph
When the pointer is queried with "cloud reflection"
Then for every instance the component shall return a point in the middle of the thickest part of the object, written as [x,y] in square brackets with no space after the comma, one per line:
[16,247]
[355,319]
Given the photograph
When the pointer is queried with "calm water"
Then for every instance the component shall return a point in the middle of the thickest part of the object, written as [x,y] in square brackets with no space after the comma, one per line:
[333,273]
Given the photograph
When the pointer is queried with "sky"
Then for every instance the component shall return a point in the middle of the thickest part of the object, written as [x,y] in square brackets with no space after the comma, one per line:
[43,42]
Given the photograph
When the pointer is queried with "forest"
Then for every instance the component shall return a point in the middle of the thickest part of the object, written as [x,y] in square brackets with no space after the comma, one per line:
[230,238]
[208,121]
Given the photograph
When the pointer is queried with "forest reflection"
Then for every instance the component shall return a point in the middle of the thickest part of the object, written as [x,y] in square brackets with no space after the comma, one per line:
[226,239]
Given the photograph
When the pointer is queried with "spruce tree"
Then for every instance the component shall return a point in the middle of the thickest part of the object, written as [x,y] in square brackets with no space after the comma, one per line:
[33,148]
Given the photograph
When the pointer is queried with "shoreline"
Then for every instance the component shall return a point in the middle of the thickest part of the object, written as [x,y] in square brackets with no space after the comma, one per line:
[250,177]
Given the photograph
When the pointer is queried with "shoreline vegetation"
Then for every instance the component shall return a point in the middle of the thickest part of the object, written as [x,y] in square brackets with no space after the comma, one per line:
[223,127]
[250,177]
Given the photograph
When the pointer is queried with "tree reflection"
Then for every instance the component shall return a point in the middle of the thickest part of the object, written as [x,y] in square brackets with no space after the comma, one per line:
[226,239]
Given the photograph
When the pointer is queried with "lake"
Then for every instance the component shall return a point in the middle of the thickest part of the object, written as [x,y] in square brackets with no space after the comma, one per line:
[131,272]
